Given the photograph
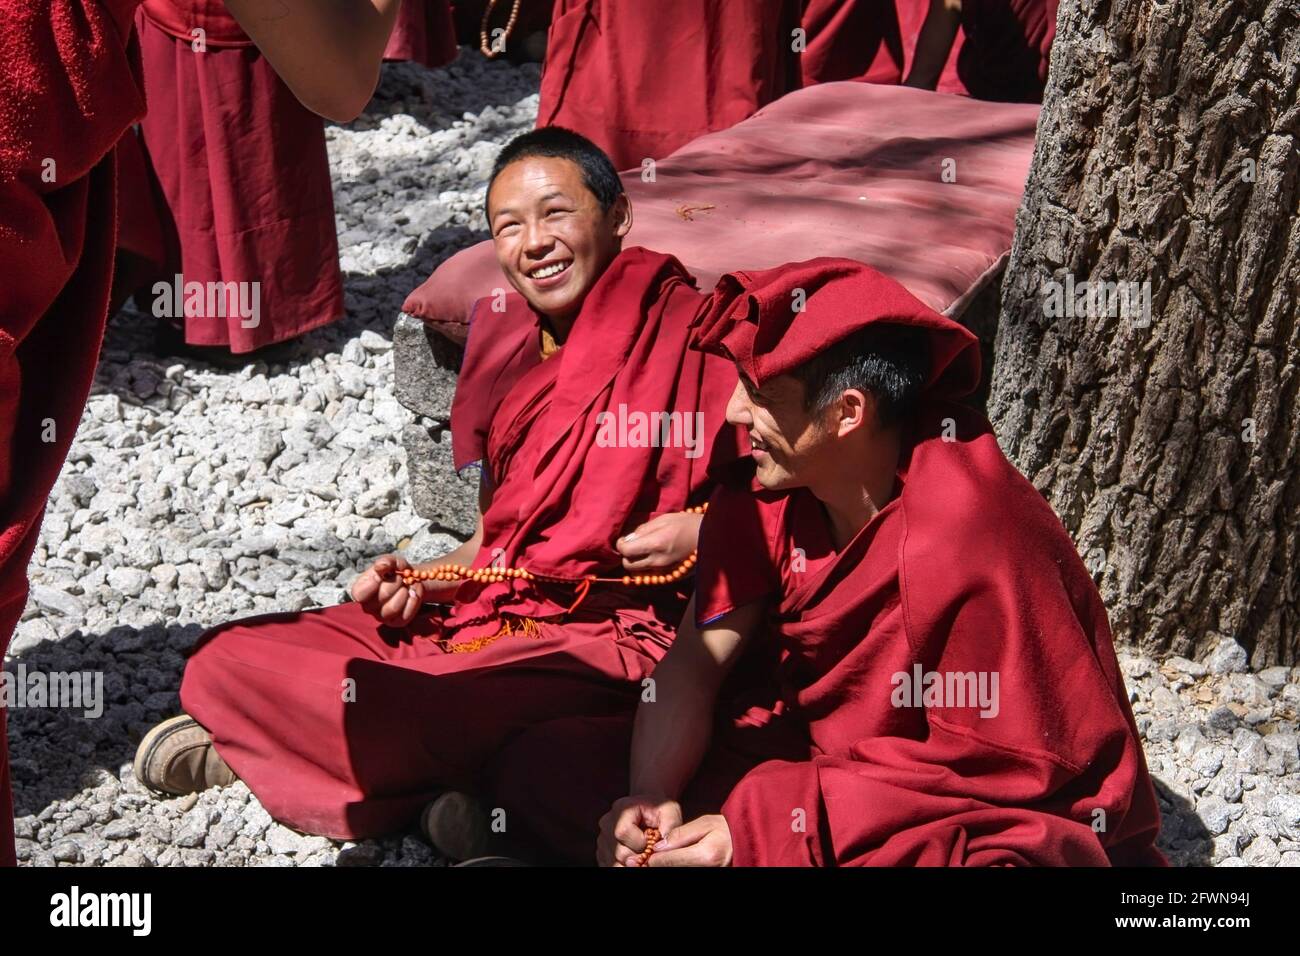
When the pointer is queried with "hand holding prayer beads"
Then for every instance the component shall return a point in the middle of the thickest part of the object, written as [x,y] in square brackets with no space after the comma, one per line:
[383,592]
[652,836]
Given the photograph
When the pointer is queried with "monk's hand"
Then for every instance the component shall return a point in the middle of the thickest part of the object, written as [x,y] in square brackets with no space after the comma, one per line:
[380,592]
[661,543]
[622,828]
[705,841]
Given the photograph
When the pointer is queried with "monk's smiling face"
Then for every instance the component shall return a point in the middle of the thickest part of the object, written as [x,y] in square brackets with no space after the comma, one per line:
[552,237]
[789,444]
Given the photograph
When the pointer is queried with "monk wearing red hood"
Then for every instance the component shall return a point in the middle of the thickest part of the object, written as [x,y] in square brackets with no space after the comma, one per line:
[895,656]
[591,420]
[69,88]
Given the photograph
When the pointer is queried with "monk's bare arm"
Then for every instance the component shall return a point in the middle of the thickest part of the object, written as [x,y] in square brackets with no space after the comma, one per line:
[934,43]
[672,732]
[327,51]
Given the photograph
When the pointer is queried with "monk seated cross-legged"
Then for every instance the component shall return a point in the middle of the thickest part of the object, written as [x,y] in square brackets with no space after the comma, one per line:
[594,426]
[894,655]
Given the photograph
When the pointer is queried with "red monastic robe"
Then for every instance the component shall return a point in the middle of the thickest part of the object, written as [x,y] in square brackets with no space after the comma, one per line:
[345,727]
[424,33]
[641,79]
[853,40]
[952,664]
[244,173]
[70,89]
[968,576]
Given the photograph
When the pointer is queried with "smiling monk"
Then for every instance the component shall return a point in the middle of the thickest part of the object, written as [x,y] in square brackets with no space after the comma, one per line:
[346,720]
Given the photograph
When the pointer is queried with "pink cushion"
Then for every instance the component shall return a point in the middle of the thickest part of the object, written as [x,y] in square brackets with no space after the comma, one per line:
[841,169]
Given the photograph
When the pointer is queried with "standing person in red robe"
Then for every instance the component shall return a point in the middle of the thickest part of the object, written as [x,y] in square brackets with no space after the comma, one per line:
[873,41]
[642,79]
[245,176]
[852,40]
[1005,52]
[346,720]
[941,685]
[69,89]
[425,33]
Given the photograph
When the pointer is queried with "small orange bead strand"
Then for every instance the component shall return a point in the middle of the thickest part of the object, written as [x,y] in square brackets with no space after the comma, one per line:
[485,46]
[493,575]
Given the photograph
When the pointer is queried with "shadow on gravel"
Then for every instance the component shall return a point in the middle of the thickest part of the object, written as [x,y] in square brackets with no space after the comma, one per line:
[1183,839]
[58,752]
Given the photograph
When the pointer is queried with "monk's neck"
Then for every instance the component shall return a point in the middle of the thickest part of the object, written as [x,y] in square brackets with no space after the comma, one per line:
[559,327]
[863,486]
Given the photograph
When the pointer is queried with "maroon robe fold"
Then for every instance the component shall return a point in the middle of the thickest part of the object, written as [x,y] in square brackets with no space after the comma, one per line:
[852,40]
[424,33]
[71,87]
[434,701]
[641,79]
[245,177]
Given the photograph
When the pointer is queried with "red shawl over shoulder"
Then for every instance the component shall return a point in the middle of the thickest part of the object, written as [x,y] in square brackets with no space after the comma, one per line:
[560,497]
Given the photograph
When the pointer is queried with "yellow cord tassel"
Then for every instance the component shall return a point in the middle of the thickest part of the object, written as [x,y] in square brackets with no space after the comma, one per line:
[510,627]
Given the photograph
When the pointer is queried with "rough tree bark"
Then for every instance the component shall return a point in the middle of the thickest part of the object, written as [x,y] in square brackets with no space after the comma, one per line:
[1167,152]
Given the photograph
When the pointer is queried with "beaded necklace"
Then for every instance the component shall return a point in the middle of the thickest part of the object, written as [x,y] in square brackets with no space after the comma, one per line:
[484,45]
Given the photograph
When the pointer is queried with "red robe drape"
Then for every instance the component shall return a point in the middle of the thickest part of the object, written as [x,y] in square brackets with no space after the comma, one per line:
[641,79]
[70,88]
[424,715]
[244,176]
[853,40]
[424,33]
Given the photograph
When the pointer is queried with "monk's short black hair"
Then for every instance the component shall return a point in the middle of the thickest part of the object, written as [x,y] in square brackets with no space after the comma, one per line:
[891,362]
[598,172]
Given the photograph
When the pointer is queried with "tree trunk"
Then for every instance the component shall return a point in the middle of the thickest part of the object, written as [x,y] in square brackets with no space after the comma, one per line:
[1167,153]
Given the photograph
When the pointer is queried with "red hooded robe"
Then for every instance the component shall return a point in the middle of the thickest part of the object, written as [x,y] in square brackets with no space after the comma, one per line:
[1027,752]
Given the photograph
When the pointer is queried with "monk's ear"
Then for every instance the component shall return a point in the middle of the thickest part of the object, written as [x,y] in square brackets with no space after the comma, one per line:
[855,409]
[621,215]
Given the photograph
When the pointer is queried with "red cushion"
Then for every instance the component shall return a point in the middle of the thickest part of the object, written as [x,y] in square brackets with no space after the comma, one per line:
[841,169]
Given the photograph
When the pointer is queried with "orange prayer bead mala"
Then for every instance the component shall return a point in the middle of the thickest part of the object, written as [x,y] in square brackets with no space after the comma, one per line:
[488,50]
[652,836]
[492,575]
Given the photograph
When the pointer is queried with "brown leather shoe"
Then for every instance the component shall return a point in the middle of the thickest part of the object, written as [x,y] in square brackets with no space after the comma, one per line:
[457,826]
[177,757]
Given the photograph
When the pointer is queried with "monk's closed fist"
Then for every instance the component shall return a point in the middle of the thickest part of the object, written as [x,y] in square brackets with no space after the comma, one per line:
[380,592]
[623,828]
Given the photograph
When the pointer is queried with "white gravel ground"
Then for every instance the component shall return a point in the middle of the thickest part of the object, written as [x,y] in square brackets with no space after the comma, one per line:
[194,495]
